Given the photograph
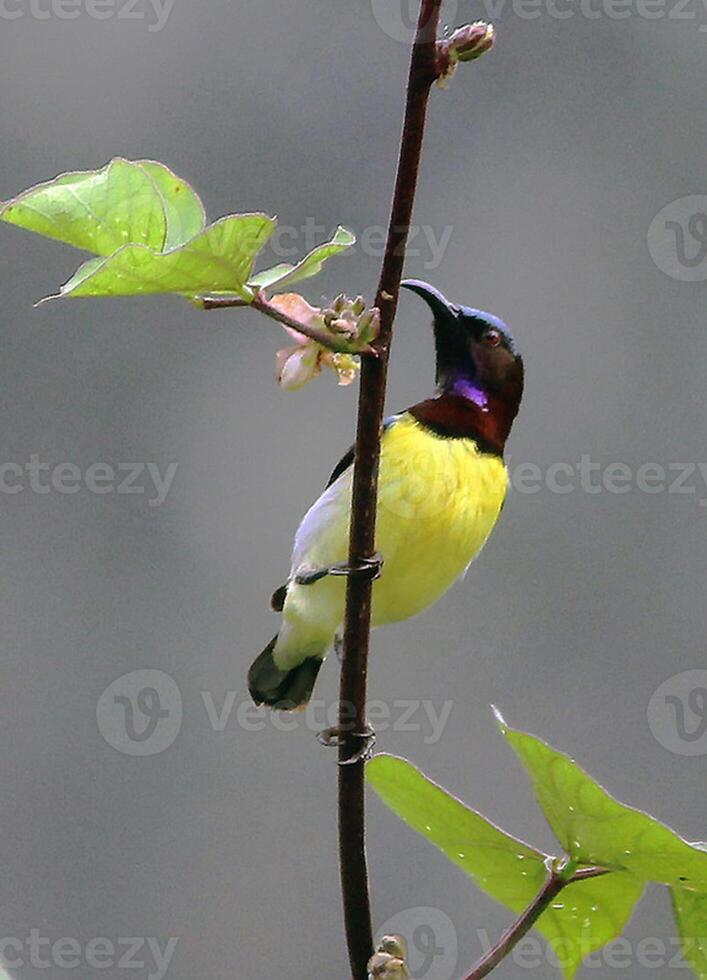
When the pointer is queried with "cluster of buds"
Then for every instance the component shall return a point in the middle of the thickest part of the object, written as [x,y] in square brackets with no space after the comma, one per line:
[352,320]
[350,324]
[388,962]
[466,44]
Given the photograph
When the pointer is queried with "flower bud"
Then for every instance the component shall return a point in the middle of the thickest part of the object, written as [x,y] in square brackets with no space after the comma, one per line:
[394,946]
[471,41]
[368,326]
[347,321]
[297,365]
[388,963]
[383,966]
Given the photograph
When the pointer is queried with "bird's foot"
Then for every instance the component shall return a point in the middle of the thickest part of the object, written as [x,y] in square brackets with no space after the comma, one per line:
[369,568]
[335,738]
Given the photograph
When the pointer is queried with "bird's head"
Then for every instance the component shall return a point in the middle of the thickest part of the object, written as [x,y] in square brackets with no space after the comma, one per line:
[477,358]
[472,346]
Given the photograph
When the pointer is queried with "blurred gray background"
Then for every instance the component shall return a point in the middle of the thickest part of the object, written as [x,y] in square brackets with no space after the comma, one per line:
[547,162]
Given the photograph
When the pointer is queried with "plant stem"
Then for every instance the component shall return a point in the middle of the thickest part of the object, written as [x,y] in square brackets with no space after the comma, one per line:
[354,667]
[522,926]
[261,304]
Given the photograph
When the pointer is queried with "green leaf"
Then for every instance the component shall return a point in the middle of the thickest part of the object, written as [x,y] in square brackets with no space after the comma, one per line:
[594,828]
[185,212]
[265,279]
[283,275]
[149,228]
[585,916]
[690,908]
[220,258]
[98,211]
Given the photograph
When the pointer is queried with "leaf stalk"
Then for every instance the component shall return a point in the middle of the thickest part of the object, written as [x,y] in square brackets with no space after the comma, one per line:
[556,882]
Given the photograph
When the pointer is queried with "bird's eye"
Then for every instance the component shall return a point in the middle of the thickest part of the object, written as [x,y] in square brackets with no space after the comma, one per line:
[492,338]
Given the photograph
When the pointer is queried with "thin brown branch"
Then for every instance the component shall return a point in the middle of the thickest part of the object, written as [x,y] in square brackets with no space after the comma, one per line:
[260,303]
[354,668]
[555,884]
[221,302]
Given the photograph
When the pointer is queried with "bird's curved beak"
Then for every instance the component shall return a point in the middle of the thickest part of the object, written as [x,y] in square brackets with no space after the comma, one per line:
[442,310]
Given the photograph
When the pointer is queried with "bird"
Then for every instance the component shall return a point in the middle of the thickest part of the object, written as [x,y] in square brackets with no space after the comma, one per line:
[441,488]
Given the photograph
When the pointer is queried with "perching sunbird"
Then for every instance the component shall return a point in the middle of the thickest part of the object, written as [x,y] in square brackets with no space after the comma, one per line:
[442,484]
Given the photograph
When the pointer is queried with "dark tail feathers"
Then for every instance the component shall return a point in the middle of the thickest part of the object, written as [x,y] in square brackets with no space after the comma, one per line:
[283,690]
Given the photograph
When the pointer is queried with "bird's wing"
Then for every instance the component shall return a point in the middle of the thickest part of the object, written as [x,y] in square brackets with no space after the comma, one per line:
[322,537]
[320,517]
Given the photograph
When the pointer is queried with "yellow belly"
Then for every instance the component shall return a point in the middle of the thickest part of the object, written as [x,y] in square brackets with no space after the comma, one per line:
[438,501]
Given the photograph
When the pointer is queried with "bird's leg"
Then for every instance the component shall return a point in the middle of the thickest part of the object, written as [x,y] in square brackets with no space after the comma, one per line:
[333,737]
[364,568]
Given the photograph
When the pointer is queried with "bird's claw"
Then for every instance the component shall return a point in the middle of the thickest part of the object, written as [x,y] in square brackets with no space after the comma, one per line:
[369,568]
[335,738]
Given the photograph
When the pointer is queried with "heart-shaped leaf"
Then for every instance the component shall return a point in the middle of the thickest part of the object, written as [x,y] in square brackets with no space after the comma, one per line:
[99,211]
[585,916]
[148,228]
[594,828]
[185,212]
